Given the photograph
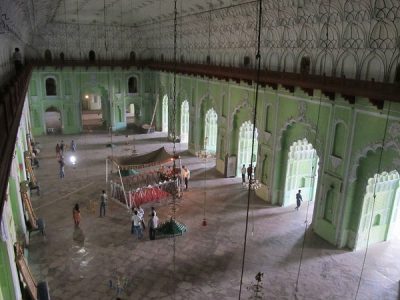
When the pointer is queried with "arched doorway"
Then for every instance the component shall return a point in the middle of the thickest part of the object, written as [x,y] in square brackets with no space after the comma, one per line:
[92,116]
[130,114]
[384,214]
[92,55]
[211,131]
[165,114]
[245,157]
[185,122]
[52,120]
[301,172]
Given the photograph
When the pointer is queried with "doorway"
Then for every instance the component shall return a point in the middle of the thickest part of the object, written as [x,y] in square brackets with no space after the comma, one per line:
[92,116]
[185,122]
[211,131]
[301,172]
[52,119]
[384,213]
[245,157]
[165,114]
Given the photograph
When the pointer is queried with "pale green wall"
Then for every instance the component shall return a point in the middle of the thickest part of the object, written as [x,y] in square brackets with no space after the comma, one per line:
[283,117]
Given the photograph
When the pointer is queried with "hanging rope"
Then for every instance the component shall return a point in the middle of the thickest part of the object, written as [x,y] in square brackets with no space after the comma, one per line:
[258,59]
[314,163]
[174,195]
[379,170]
[204,223]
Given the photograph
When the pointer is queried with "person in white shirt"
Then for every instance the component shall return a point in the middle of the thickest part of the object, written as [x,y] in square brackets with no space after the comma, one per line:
[136,228]
[140,213]
[244,170]
[153,224]
[186,176]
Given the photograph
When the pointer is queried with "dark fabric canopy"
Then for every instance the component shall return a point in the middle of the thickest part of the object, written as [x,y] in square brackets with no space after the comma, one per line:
[157,157]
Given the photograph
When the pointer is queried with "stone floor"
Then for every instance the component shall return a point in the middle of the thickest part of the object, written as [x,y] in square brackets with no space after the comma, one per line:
[204,263]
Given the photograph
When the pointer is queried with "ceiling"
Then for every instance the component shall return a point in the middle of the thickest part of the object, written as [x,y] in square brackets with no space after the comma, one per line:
[119,12]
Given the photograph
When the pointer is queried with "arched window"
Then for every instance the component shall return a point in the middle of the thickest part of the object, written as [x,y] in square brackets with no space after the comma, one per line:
[162,57]
[51,87]
[47,55]
[377,220]
[132,56]
[246,61]
[210,131]
[305,65]
[132,85]
[92,55]
[62,56]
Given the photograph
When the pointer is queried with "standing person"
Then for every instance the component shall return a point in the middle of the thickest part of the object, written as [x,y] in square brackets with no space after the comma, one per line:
[58,150]
[62,146]
[17,58]
[62,164]
[103,203]
[249,171]
[141,216]
[73,146]
[244,173]
[153,224]
[136,228]
[153,211]
[299,199]
[76,214]
[186,176]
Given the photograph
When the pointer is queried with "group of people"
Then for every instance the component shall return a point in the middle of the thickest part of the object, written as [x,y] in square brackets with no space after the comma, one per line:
[60,149]
[138,224]
[249,171]
[168,173]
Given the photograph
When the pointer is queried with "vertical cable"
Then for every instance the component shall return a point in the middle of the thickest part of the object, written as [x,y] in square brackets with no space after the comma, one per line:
[174,146]
[258,59]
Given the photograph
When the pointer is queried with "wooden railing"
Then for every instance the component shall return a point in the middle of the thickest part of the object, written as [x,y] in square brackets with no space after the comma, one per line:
[12,101]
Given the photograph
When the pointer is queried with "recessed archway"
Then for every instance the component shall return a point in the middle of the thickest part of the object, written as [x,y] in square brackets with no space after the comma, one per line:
[165,114]
[301,172]
[52,119]
[245,156]
[92,114]
[211,131]
[185,122]
[381,207]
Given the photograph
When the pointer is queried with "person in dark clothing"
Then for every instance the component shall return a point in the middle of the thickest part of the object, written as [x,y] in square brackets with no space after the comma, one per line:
[299,199]
[249,171]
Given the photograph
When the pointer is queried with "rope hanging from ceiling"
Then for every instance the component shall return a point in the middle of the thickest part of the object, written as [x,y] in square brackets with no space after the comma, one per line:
[258,60]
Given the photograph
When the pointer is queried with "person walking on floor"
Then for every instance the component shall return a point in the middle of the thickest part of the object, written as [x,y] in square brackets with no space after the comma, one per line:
[136,228]
[249,171]
[186,176]
[62,164]
[73,146]
[244,173]
[76,214]
[153,224]
[62,146]
[103,203]
[299,199]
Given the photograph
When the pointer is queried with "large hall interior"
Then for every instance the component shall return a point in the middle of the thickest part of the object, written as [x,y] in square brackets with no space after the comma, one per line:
[221,149]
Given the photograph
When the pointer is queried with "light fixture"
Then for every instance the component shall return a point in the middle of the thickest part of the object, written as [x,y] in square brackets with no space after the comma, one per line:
[86,96]
[72,159]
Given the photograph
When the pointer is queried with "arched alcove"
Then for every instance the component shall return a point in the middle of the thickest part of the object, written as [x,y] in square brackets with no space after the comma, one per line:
[51,86]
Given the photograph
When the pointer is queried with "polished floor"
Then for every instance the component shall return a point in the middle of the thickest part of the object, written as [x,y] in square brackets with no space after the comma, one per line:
[204,263]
